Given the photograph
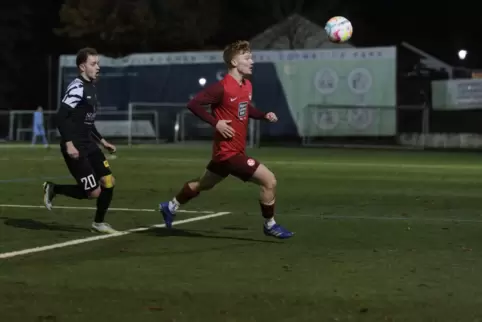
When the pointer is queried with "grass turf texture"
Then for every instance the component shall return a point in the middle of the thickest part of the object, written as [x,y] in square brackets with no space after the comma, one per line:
[381,236]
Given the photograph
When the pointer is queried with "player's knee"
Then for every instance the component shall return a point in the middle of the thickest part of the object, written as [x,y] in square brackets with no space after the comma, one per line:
[94,194]
[108,181]
[200,185]
[208,182]
[193,184]
[270,182]
[204,186]
[266,179]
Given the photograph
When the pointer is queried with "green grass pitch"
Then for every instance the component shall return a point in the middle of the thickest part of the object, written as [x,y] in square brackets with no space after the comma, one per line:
[380,236]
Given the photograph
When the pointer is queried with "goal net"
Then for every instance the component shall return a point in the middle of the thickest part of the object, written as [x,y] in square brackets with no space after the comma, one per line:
[20,125]
[120,127]
[124,127]
[175,123]
[164,126]
[192,130]
[142,123]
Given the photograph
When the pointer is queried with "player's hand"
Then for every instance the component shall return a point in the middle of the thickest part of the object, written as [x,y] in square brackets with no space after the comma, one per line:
[72,150]
[109,147]
[225,129]
[271,117]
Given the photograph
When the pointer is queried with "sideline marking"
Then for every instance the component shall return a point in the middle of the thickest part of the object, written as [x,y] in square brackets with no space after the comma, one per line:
[112,209]
[101,237]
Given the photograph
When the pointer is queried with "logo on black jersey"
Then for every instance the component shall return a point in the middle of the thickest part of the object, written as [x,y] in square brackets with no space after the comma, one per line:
[89,117]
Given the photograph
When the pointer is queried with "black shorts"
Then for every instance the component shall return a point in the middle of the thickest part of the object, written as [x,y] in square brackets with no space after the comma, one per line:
[239,166]
[88,168]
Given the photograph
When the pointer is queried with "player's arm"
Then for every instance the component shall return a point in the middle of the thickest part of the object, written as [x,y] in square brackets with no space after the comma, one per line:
[96,134]
[211,95]
[73,96]
[64,122]
[65,125]
[254,113]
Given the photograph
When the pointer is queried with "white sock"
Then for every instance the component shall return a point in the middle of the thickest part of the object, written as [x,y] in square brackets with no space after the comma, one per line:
[270,223]
[174,205]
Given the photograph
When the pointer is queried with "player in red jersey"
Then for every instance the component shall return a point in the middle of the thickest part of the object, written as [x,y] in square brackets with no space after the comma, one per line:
[230,101]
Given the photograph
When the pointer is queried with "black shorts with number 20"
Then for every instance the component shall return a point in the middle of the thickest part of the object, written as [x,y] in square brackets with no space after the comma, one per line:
[88,168]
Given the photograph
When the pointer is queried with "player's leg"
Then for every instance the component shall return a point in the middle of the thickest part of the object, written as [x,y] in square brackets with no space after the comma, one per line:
[214,173]
[193,188]
[107,182]
[44,138]
[249,169]
[85,188]
[35,134]
[34,138]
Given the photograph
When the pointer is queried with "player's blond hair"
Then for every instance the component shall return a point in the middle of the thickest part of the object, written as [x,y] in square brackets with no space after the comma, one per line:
[239,47]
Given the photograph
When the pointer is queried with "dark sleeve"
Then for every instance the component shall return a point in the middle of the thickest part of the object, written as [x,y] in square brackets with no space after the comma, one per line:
[254,113]
[211,95]
[96,134]
[64,122]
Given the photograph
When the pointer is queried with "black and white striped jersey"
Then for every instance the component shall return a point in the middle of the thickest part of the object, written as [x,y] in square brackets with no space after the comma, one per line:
[78,112]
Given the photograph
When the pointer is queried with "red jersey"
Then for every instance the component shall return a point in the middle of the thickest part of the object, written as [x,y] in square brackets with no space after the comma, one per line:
[229,100]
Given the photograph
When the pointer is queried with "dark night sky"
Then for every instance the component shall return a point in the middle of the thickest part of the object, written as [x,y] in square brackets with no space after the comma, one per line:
[440,30]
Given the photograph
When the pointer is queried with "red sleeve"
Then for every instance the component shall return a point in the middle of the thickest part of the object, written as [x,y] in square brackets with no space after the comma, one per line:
[211,95]
[254,113]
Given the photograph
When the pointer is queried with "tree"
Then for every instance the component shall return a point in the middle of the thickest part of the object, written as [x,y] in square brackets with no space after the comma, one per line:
[187,24]
[115,27]
[119,27]
[15,32]
[294,17]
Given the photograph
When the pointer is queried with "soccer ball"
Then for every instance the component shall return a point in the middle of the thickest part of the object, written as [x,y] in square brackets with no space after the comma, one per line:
[339,29]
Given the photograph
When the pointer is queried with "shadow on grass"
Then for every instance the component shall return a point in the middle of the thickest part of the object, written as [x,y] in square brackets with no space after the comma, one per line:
[175,232]
[32,224]
[38,225]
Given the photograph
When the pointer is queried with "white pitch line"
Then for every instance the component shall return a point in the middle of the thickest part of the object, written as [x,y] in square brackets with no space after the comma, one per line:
[100,237]
[113,209]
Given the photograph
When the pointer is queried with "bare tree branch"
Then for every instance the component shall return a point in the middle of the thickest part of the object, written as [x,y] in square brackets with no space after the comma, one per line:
[188,24]
[115,25]
[293,29]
